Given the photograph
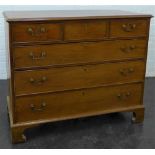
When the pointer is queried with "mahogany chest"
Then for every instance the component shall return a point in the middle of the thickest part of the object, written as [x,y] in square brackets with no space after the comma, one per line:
[72,64]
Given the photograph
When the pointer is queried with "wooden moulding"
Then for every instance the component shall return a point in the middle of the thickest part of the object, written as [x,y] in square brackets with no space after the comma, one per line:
[57,15]
[18,129]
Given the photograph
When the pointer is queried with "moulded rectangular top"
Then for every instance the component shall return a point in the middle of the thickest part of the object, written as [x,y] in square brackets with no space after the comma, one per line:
[69,15]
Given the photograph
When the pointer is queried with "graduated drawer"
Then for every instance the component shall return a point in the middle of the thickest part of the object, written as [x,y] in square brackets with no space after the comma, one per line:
[76,53]
[77,103]
[85,30]
[129,28]
[33,32]
[75,77]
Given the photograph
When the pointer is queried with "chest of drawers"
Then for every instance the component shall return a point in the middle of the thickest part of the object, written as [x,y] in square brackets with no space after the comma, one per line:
[72,64]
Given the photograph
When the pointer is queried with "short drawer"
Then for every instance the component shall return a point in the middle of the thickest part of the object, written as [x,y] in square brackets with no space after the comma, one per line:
[129,28]
[33,32]
[85,30]
[75,77]
[77,53]
[70,104]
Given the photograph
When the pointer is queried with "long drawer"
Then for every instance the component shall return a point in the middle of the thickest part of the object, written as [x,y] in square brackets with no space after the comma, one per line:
[77,103]
[75,77]
[74,53]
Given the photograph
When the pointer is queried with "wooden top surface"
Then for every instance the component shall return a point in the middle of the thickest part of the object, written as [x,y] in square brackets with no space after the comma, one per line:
[68,15]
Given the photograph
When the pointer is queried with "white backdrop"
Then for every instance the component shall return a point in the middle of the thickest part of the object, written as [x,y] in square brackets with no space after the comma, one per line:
[140,9]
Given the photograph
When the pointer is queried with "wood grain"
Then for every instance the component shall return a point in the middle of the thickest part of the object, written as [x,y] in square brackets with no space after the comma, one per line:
[77,30]
[59,105]
[78,53]
[59,79]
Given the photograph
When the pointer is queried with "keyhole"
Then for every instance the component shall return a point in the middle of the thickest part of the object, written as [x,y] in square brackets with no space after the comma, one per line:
[85,69]
[83,93]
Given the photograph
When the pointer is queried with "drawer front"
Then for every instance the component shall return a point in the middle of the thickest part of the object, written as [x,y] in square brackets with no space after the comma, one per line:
[84,102]
[58,79]
[129,28]
[84,30]
[76,53]
[31,32]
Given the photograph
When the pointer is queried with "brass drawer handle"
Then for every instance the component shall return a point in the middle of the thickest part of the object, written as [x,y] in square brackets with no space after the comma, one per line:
[41,108]
[40,57]
[126,49]
[40,81]
[126,71]
[30,31]
[128,27]
[124,96]
[36,32]
[42,30]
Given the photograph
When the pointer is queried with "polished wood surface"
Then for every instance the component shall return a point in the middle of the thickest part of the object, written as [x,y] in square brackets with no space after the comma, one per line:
[80,53]
[60,79]
[93,29]
[71,64]
[70,103]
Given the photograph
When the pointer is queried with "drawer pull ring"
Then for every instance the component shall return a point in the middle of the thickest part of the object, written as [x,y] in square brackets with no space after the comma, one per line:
[41,108]
[128,27]
[128,49]
[126,71]
[30,31]
[40,81]
[123,96]
[37,32]
[42,29]
[33,57]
